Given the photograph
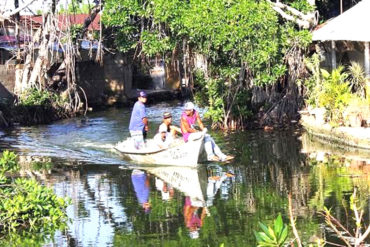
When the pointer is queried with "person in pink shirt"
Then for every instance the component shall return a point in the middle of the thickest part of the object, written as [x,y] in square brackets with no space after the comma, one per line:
[189,118]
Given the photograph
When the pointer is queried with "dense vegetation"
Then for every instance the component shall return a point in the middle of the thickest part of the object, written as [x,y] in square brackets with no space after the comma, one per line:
[343,93]
[244,43]
[26,205]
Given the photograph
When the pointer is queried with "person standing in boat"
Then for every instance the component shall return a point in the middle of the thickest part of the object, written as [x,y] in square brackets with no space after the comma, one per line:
[139,122]
[163,138]
[167,123]
[188,120]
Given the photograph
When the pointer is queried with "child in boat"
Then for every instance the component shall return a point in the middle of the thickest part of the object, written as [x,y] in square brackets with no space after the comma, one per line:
[188,120]
[163,138]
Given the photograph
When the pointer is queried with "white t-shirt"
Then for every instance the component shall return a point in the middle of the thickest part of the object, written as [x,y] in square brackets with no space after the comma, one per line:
[163,144]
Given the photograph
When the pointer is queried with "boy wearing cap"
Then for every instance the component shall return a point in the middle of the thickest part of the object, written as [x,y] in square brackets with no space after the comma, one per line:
[163,138]
[188,120]
[139,121]
[167,123]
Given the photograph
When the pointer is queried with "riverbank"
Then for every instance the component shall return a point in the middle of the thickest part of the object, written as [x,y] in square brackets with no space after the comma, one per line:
[11,115]
[358,137]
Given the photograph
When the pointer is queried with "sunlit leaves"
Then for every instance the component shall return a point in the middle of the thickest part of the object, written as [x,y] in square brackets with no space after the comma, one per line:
[25,204]
[272,236]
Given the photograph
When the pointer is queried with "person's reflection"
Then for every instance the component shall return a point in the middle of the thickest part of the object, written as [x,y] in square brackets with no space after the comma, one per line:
[218,179]
[194,213]
[140,180]
[166,189]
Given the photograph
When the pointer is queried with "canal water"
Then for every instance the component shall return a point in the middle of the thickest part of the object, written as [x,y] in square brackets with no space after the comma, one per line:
[118,203]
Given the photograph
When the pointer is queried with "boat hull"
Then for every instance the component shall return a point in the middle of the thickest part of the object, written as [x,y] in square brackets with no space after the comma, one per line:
[187,154]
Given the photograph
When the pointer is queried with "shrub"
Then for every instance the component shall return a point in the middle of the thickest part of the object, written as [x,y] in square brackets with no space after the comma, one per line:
[335,94]
[35,97]
[25,204]
[8,162]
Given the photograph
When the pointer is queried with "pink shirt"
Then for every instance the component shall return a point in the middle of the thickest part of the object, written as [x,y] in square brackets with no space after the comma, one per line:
[191,121]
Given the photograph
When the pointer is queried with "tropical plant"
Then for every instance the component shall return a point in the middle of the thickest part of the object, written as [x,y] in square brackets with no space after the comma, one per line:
[272,236]
[335,94]
[357,79]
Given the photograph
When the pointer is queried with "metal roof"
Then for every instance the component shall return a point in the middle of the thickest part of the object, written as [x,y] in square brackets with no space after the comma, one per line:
[352,25]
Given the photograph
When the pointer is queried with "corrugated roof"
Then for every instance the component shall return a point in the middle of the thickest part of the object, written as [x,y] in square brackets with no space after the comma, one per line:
[352,25]
[72,19]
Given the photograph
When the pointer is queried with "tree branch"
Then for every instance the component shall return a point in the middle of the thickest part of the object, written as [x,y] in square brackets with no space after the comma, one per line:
[94,12]
[303,20]
[363,236]
[6,16]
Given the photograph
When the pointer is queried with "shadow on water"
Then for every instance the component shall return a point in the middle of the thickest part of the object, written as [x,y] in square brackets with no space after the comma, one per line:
[115,203]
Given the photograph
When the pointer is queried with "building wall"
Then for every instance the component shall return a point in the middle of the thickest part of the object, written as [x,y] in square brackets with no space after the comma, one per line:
[7,79]
[103,85]
[107,84]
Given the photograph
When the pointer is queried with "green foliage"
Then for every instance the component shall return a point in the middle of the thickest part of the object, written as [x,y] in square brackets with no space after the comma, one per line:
[335,94]
[8,162]
[235,36]
[329,90]
[152,43]
[36,97]
[31,205]
[272,236]
[75,31]
[314,82]
[223,96]
[25,204]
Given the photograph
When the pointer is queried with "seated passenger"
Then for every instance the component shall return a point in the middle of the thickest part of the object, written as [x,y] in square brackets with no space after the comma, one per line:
[188,120]
[167,123]
[163,138]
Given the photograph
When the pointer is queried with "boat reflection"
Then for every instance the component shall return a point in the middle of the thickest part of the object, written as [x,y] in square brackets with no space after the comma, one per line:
[198,185]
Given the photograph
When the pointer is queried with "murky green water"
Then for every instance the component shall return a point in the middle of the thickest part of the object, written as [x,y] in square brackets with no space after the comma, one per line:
[116,203]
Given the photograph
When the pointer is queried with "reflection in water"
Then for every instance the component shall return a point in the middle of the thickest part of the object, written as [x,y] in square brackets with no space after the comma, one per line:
[141,186]
[211,205]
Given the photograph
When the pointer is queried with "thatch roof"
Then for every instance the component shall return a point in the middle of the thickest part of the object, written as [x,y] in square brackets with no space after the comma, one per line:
[352,25]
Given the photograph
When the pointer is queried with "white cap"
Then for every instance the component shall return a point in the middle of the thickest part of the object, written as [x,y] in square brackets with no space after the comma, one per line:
[162,128]
[189,106]
[194,234]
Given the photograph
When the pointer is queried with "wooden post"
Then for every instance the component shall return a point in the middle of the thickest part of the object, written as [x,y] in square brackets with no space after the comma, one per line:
[333,56]
[367,59]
